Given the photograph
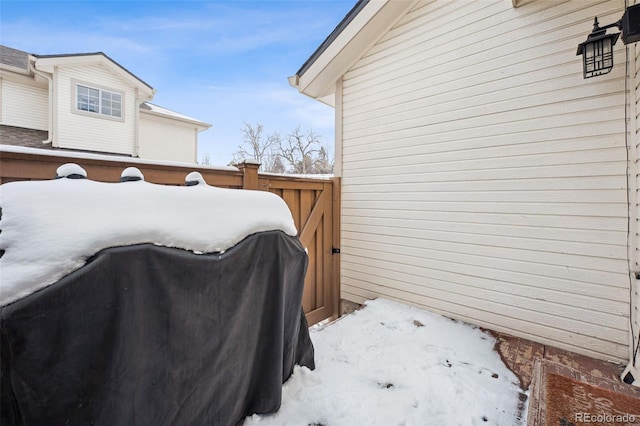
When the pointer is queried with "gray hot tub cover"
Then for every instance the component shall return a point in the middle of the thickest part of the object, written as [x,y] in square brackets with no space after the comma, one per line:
[149,335]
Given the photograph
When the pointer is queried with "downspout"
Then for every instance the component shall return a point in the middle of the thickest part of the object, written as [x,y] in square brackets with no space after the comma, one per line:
[136,132]
[631,373]
[50,111]
[195,160]
[139,101]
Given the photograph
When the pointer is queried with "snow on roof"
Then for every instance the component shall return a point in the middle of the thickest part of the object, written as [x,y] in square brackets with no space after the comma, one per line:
[50,228]
[148,106]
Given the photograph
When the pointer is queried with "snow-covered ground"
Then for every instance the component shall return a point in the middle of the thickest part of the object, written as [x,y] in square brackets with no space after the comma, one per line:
[387,364]
[390,364]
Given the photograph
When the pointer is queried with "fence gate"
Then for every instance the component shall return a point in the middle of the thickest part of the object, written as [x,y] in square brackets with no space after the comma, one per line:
[315,208]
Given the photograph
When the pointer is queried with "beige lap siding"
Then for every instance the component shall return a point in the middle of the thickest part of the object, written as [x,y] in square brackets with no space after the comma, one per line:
[484,178]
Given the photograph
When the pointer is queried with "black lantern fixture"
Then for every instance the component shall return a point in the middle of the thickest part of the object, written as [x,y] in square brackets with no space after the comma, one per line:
[597,50]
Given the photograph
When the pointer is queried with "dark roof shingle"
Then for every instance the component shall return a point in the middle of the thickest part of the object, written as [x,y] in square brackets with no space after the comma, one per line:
[14,57]
[19,136]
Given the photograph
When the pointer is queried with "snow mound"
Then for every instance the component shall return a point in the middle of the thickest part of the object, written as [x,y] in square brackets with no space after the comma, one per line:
[194,178]
[131,174]
[71,170]
[49,228]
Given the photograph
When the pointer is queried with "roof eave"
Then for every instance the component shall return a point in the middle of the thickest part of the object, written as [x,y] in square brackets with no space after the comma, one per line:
[47,63]
[360,4]
[200,125]
[15,70]
[365,24]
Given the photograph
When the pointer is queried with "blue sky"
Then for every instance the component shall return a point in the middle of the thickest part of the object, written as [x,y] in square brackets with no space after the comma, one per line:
[222,62]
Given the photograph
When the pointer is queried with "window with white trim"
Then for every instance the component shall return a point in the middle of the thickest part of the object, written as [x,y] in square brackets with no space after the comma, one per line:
[99,101]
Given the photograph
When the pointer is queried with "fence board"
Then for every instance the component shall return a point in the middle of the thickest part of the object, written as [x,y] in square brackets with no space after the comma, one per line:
[313,221]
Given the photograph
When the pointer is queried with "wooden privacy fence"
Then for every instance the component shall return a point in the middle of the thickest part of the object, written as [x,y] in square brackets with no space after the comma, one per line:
[314,205]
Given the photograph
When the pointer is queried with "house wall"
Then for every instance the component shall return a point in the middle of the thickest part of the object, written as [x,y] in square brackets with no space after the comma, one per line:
[167,139]
[23,104]
[93,132]
[484,178]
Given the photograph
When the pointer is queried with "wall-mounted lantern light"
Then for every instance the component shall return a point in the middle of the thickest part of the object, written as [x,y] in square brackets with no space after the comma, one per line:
[597,50]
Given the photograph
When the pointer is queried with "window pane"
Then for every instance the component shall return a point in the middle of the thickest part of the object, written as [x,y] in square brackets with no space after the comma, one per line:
[94,100]
[82,98]
[111,104]
[99,101]
[83,101]
[93,105]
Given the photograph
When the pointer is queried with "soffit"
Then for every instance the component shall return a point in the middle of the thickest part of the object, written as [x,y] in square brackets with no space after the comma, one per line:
[369,24]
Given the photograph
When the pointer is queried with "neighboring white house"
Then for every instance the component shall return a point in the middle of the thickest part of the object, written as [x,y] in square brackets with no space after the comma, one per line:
[482,177]
[89,102]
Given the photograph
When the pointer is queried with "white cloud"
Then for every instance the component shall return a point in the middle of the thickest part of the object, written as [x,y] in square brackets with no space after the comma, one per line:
[309,112]
[41,39]
[290,105]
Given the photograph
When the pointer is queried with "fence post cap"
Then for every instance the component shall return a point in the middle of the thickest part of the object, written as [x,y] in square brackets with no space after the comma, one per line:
[249,169]
[249,162]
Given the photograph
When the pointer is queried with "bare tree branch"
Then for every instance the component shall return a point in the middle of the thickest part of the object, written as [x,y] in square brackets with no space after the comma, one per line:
[298,148]
[257,146]
[299,152]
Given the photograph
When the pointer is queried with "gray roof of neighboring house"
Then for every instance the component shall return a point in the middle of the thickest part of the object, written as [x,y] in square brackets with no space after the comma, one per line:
[334,34]
[20,59]
[14,57]
[18,136]
[31,138]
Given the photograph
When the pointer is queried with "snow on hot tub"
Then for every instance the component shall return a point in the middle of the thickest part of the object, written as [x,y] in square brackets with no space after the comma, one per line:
[50,228]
